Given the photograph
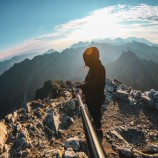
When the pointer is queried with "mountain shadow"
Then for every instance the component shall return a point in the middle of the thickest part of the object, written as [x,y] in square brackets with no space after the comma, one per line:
[135,72]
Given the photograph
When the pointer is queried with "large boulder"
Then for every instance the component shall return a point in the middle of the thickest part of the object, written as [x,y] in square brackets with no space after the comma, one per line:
[50,88]
[72,143]
[66,122]
[52,121]
[126,152]
[147,100]
[151,149]
[70,105]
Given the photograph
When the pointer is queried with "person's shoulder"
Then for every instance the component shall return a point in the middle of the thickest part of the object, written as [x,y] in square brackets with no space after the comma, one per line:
[103,66]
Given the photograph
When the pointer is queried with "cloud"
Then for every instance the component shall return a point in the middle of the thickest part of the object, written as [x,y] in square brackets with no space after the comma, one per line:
[114,21]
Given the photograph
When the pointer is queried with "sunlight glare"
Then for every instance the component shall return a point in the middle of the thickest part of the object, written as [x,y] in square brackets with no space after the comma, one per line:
[99,25]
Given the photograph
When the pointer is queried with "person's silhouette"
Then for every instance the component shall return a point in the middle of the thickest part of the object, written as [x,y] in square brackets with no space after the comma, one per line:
[93,86]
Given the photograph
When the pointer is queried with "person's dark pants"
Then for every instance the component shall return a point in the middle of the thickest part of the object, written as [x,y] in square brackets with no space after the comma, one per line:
[95,111]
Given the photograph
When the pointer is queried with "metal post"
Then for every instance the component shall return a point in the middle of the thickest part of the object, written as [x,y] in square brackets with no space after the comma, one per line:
[95,149]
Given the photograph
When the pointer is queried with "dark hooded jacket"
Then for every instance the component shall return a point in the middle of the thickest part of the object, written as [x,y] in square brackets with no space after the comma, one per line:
[94,84]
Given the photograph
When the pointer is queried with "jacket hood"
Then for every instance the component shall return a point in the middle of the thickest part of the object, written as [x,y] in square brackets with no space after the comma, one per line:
[91,56]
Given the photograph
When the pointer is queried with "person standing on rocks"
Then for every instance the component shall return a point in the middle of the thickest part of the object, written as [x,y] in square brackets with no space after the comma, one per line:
[93,86]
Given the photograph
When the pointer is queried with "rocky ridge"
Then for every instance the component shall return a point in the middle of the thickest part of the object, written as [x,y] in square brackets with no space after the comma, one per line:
[52,126]
[19,83]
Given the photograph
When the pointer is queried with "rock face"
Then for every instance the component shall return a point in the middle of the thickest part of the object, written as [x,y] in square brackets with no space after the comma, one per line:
[132,127]
[42,128]
[50,88]
[52,121]
[115,89]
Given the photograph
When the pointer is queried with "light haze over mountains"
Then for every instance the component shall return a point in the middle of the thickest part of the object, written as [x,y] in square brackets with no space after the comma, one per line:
[133,63]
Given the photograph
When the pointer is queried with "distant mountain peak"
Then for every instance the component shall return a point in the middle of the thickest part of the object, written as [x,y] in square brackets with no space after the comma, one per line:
[115,41]
[50,51]
[120,41]
[127,56]
[80,44]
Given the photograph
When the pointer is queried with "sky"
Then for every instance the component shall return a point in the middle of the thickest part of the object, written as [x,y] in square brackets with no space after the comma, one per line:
[39,25]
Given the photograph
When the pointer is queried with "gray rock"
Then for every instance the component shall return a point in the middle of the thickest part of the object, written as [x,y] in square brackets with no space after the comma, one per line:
[123,95]
[83,144]
[109,97]
[36,104]
[72,143]
[22,141]
[123,87]
[49,120]
[110,88]
[69,153]
[156,97]
[138,94]
[39,125]
[127,152]
[48,131]
[18,127]
[32,128]
[22,110]
[38,112]
[147,100]
[52,121]
[156,105]
[151,93]
[151,149]
[48,100]
[66,122]
[23,117]
[70,105]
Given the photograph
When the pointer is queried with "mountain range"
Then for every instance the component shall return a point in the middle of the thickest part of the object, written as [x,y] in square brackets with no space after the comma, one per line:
[116,41]
[111,52]
[133,63]
[6,64]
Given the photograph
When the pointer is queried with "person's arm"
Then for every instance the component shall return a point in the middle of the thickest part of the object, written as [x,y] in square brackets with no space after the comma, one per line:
[90,82]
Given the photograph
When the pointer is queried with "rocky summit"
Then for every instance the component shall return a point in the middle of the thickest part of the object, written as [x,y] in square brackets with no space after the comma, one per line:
[51,126]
